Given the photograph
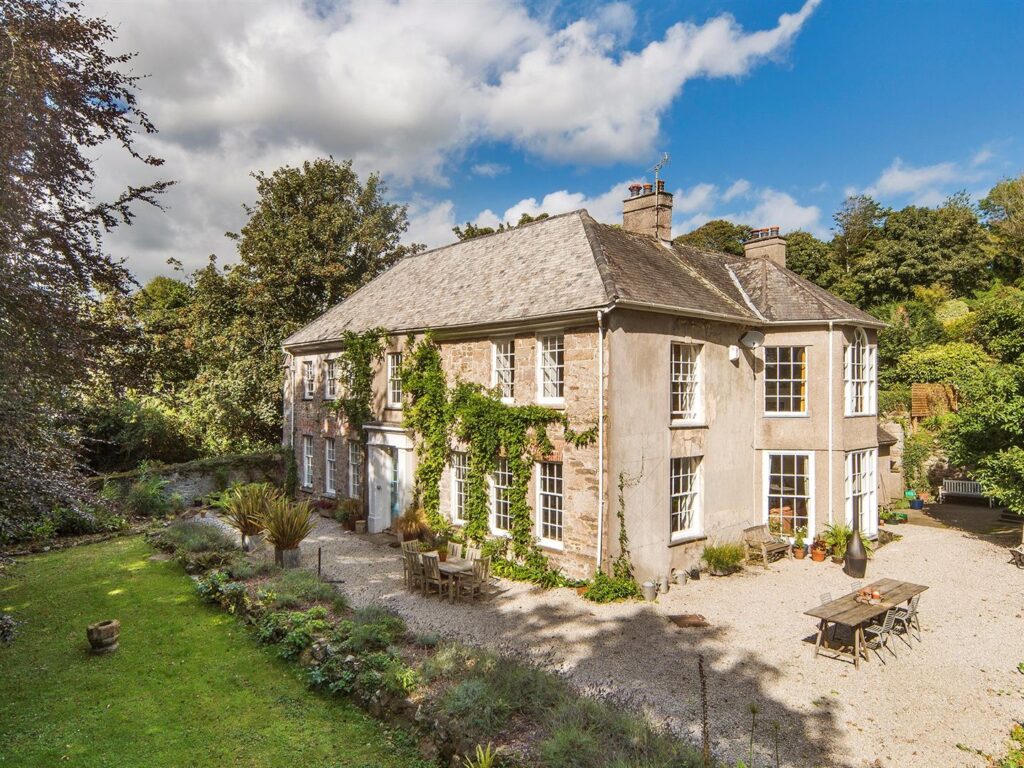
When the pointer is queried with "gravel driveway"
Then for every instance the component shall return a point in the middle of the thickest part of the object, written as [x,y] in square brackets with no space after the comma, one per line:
[959,686]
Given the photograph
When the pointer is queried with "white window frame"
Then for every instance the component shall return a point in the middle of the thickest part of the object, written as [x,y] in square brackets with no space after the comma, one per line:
[355,465]
[791,381]
[308,379]
[543,340]
[497,354]
[690,467]
[330,467]
[862,484]
[546,541]
[501,469]
[860,376]
[330,379]
[766,488]
[394,382]
[307,461]
[685,378]
[459,470]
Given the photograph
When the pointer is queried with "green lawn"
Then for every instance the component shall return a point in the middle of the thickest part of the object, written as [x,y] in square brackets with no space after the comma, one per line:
[188,686]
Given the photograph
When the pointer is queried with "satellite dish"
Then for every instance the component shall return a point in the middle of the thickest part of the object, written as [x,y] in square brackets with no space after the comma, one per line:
[752,339]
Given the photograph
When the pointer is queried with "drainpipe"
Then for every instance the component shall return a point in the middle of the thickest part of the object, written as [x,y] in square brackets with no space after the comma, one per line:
[290,377]
[831,408]
[600,437]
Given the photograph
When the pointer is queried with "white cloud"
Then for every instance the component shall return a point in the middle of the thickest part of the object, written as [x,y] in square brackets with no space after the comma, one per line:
[738,188]
[431,224]
[490,170]
[778,208]
[699,197]
[982,156]
[398,87]
[902,179]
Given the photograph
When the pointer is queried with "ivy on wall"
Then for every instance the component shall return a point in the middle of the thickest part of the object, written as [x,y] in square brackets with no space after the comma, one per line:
[489,429]
[359,352]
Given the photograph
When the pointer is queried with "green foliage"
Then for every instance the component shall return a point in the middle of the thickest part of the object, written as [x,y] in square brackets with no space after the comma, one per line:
[244,506]
[1015,755]
[148,497]
[957,363]
[490,429]
[291,477]
[1001,475]
[188,536]
[1003,210]
[607,589]
[293,631]
[717,235]
[912,325]
[287,523]
[483,758]
[917,447]
[80,521]
[299,588]
[723,558]
[348,510]
[837,537]
[359,352]
[999,325]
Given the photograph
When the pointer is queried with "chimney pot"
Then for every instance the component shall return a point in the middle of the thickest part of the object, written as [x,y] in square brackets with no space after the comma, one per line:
[648,213]
[634,189]
[661,185]
[648,188]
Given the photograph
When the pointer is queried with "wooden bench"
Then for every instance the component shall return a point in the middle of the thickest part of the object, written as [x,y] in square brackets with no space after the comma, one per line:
[759,542]
[968,489]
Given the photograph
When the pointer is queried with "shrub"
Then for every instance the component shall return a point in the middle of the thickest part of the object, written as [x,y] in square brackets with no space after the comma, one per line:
[571,746]
[294,631]
[245,505]
[427,639]
[606,589]
[348,511]
[723,558]
[244,569]
[451,662]
[187,536]
[287,523]
[299,588]
[147,496]
[413,522]
[74,521]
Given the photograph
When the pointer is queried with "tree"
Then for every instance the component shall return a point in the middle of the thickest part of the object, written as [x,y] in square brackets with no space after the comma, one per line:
[316,234]
[1003,213]
[472,230]
[61,97]
[812,258]
[717,235]
[858,225]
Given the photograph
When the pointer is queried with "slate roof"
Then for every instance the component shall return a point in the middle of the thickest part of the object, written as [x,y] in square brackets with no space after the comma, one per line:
[569,263]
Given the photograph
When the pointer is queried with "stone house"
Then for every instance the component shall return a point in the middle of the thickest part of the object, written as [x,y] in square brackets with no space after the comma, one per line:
[727,391]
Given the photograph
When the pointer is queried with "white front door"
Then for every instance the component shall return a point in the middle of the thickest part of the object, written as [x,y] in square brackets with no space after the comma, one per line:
[390,476]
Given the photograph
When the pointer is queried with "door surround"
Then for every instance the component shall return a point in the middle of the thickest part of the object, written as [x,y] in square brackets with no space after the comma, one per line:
[382,439]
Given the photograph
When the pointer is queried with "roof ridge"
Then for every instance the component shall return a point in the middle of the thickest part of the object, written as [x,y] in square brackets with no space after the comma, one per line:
[693,270]
[600,258]
[506,231]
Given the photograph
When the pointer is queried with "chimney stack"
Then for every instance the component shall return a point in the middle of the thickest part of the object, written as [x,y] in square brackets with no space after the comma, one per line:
[766,243]
[648,212]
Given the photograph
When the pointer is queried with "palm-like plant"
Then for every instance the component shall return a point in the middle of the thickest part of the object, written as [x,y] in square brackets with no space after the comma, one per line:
[245,506]
[286,523]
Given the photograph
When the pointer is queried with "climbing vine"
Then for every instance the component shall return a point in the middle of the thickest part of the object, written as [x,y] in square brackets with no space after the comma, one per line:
[489,429]
[359,352]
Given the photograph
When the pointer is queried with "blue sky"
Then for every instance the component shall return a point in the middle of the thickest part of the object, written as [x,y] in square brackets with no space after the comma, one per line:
[479,112]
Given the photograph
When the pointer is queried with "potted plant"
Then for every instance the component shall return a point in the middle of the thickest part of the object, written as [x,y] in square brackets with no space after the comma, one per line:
[412,524]
[799,540]
[347,511]
[287,524]
[818,549]
[837,536]
[442,550]
[244,507]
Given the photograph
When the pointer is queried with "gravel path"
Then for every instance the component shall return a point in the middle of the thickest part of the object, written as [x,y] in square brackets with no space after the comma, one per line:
[960,685]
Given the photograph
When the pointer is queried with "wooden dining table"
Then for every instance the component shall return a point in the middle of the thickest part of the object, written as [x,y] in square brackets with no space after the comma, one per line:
[848,611]
[454,568]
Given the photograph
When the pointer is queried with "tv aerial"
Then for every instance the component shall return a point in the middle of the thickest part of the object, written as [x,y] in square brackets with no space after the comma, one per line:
[656,168]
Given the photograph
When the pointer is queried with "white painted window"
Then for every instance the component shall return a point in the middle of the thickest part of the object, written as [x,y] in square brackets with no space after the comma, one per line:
[789,485]
[859,373]
[355,470]
[307,461]
[394,380]
[308,379]
[686,400]
[460,463]
[501,503]
[504,361]
[785,380]
[861,489]
[684,492]
[551,369]
[330,466]
[550,503]
[331,379]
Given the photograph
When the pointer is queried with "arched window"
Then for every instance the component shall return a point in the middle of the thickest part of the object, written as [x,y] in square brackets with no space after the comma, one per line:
[860,375]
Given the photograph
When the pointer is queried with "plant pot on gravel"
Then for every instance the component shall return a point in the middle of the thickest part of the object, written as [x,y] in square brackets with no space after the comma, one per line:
[103,636]
[244,508]
[287,524]
[818,555]
[650,591]
[799,553]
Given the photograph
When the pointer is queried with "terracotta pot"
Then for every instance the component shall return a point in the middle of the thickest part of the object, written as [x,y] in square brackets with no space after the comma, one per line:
[103,635]
[838,560]
[799,553]
[442,557]
[818,555]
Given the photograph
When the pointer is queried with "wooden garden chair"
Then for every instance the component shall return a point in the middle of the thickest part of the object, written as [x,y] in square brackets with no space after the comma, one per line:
[472,553]
[759,543]
[432,576]
[479,580]
[455,551]
[413,566]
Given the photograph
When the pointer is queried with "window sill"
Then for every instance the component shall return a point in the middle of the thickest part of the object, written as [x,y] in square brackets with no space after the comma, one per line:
[330,494]
[683,424]
[554,546]
[306,488]
[687,540]
[307,397]
[860,415]
[558,404]
[787,415]
[390,407]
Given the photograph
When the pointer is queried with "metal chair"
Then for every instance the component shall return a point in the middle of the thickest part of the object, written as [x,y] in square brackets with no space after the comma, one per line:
[907,619]
[880,634]
[432,577]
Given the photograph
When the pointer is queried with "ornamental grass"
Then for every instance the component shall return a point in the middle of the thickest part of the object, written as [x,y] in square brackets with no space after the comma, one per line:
[286,523]
[245,506]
